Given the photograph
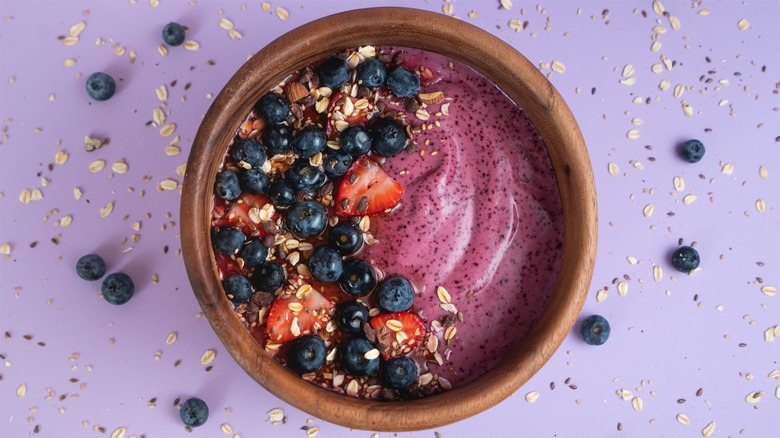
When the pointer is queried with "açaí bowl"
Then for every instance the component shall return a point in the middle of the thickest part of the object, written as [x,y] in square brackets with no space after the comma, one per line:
[516,77]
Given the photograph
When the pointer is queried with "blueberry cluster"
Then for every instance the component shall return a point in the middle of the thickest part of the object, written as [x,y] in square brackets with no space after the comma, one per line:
[296,192]
[117,288]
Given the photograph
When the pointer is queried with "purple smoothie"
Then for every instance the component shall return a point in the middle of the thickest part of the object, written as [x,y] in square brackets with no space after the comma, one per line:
[481,216]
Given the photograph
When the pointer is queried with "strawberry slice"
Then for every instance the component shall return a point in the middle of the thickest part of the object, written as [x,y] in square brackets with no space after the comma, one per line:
[292,317]
[366,189]
[397,334]
[237,214]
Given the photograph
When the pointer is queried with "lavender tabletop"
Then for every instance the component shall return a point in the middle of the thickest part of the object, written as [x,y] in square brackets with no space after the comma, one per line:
[689,355]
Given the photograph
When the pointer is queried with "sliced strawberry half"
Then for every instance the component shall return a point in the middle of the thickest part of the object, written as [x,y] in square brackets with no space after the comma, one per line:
[397,334]
[366,189]
[237,215]
[292,317]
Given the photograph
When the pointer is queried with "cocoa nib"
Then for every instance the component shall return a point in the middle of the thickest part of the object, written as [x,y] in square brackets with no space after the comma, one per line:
[370,332]
[261,299]
[412,105]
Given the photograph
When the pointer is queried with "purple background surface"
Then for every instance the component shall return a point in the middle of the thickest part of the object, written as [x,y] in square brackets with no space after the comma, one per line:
[697,345]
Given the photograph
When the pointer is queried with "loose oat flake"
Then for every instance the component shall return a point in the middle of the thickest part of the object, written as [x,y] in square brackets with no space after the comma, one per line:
[532,396]
[207,357]
[282,13]
[118,433]
[743,24]
[275,415]
[683,419]
[709,429]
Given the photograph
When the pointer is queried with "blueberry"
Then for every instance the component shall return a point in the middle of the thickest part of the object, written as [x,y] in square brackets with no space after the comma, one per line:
[396,294]
[336,164]
[238,288]
[353,358]
[372,73]
[91,267]
[308,141]
[350,316]
[692,151]
[355,140]
[402,82]
[276,138]
[254,253]
[173,34]
[346,237]
[359,278]
[306,354]
[281,194]
[594,330]
[325,265]
[398,373]
[268,277]
[194,412]
[100,86]
[227,186]
[118,288]
[388,137]
[333,73]
[255,181]
[307,218]
[250,152]
[273,107]
[685,259]
[304,176]
[228,240]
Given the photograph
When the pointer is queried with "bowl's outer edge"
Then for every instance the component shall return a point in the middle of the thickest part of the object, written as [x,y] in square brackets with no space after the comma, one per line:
[511,72]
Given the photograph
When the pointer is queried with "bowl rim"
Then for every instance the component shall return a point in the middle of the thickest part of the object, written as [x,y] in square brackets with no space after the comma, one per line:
[521,81]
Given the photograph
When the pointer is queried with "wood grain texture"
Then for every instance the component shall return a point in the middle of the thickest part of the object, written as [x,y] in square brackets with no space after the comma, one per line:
[511,72]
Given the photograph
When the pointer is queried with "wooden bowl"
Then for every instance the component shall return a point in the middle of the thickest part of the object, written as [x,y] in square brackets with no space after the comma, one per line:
[513,74]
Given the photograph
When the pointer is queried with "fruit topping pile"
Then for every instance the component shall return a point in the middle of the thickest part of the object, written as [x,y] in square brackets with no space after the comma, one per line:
[292,207]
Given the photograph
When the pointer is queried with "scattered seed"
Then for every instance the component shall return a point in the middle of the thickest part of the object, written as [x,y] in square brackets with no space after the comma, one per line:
[506,4]
[282,13]
[118,433]
[191,45]
[628,70]
[727,169]
[683,419]
[754,397]
[601,295]
[762,172]
[21,391]
[171,338]
[208,356]
[162,50]
[658,8]
[633,134]
[622,288]
[760,206]
[558,67]
[769,290]
[5,249]
[226,428]
[76,29]
[77,193]
[65,221]
[743,24]
[689,199]
[532,396]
